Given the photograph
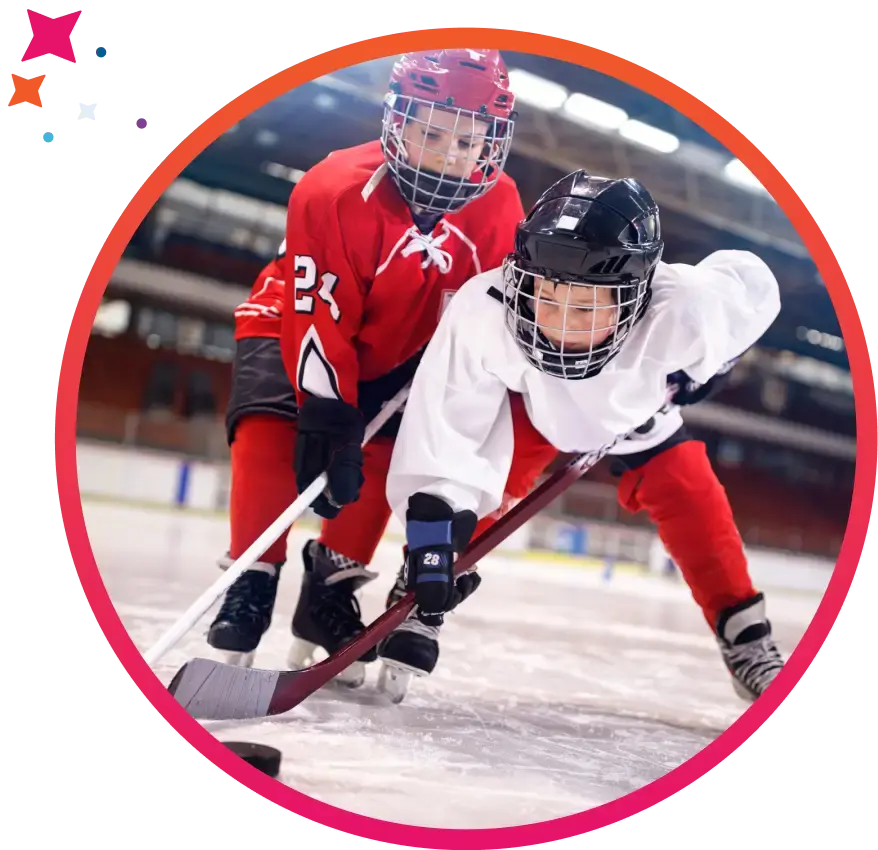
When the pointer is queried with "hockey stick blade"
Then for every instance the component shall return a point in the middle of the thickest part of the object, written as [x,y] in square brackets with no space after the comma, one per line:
[210,690]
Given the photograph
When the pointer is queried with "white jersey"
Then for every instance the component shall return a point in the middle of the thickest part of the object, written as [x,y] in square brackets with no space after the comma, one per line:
[456,438]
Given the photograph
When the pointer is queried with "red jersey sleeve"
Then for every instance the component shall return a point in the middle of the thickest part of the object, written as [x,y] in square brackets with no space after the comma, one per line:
[499,240]
[324,297]
[260,315]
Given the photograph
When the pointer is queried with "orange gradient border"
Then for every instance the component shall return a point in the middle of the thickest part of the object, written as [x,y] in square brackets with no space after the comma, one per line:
[795,770]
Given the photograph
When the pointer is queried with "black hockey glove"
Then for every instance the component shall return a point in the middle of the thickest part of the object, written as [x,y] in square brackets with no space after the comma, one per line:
[691,392]
[434,535]
[330,434]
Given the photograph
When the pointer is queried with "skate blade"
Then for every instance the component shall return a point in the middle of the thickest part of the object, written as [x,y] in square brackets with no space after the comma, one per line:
[303,654]
[395,678]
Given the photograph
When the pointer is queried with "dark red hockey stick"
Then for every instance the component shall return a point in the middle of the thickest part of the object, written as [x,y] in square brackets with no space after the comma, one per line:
[210,690]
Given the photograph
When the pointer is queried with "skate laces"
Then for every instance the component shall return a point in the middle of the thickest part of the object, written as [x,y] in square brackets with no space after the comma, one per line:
[336,607]
[251,596]
[332,567]
[756,662]
[398,590]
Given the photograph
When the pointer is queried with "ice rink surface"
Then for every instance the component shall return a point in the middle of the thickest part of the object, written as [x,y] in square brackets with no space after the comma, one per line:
[556,689]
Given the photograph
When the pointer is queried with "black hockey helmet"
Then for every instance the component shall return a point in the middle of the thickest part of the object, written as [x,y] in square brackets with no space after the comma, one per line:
[593,233]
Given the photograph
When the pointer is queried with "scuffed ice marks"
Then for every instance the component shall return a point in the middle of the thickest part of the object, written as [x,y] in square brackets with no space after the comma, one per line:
[555,692]
[488,766]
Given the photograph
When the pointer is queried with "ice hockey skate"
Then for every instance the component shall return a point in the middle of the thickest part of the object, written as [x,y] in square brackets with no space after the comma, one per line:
[748,650]
[411,650]
[327,615]
[245,614]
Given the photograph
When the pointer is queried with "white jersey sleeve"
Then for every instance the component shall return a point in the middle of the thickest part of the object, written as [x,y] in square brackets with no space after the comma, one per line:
[725,304]
[455,440]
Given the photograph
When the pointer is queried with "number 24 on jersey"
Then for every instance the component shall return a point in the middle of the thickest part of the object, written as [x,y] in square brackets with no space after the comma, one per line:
[306,282]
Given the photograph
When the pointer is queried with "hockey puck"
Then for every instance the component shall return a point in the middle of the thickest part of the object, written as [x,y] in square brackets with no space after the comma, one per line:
[263,758]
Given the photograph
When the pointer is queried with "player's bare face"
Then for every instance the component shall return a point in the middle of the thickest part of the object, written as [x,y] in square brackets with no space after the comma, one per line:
[446,143]
[575,317]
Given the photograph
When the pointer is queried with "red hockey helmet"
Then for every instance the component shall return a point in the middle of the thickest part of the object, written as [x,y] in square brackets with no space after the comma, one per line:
[448,121]
[475,80]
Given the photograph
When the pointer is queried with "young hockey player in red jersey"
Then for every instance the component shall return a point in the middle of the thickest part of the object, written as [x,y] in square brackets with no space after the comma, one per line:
[379,237]
[585,325]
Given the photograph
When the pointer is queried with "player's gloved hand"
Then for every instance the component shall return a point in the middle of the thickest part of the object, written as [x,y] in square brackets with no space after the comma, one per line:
[686,391]
[434,535]
[330,434]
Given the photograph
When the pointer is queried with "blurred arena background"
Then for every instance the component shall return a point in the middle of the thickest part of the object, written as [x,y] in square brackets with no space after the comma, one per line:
[157,369]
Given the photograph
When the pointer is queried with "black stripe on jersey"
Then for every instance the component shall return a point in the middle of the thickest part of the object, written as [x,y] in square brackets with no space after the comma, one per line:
[496,294]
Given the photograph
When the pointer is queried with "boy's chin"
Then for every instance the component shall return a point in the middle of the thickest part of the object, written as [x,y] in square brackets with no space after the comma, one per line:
[572,349]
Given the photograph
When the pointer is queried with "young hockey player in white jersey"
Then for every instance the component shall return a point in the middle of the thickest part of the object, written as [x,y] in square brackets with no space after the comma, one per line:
[581,328]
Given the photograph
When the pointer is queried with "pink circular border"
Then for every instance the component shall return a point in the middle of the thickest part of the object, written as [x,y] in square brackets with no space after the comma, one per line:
[693,802]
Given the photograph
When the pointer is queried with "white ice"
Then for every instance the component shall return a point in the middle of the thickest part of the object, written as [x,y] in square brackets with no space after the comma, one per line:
[556,690]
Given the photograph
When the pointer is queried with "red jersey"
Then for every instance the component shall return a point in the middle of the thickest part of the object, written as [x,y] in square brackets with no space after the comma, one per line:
[259,315]
[364,287]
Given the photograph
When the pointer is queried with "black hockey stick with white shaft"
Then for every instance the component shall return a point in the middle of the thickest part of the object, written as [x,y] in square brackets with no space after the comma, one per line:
[210,690]
[198,608]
